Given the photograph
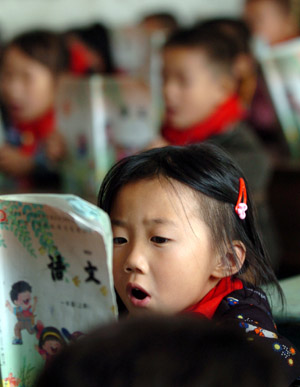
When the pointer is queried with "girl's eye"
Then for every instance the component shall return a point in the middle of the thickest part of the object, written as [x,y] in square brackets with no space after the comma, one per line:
[119,241]
[158,239]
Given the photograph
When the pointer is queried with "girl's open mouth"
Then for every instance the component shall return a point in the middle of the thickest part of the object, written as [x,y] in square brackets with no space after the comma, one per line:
[137,295]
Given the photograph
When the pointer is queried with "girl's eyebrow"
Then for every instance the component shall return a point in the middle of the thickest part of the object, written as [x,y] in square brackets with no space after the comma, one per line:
[118,222]
[163,221]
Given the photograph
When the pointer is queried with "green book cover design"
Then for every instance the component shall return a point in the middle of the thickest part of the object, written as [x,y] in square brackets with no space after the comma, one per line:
[54,286]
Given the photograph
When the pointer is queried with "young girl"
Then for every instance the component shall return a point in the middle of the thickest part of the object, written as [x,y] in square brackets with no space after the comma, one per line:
[30,66]
[185,241]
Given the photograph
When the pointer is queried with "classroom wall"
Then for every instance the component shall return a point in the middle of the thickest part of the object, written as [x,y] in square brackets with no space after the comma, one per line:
[19,15]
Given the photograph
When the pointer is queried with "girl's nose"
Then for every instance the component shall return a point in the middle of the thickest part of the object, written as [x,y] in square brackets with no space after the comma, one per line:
[135,263]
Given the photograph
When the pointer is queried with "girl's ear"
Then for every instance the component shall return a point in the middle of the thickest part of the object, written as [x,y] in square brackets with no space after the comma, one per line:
[236,258]
[232,262]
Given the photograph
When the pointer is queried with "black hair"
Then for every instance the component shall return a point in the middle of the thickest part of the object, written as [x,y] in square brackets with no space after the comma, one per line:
[235,29]
[96,36]
[19,287]
[216,45]
[46,47]
[214,177]
[50,333]
[169,351]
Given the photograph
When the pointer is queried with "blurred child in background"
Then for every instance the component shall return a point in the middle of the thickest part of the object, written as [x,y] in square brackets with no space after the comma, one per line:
[30,68]
[244,66]
[201,100]
[201,103]
[251,88]
[273,21]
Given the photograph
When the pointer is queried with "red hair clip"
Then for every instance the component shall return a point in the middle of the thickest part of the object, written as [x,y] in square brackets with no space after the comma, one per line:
[241,206]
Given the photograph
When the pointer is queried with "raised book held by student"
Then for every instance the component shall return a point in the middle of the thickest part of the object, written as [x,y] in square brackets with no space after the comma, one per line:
[55,279]
[102,120]
[281,67]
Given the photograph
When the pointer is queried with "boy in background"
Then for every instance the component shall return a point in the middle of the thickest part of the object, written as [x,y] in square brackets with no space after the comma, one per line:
[201,104]
[201,100]
[251,86]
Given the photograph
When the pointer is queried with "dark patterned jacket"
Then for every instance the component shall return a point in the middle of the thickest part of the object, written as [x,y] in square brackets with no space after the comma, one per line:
[248,309]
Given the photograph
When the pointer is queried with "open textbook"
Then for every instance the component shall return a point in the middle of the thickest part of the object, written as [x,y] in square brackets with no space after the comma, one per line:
[102,120]
[55,279]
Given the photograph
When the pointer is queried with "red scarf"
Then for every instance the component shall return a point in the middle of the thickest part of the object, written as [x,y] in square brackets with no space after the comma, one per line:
[33,132]
[230,112]
[209,304]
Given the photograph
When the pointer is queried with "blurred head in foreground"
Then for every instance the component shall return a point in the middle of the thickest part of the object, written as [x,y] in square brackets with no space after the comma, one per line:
[174,351]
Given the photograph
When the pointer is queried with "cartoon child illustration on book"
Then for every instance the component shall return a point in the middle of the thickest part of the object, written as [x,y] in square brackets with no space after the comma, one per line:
[51,342]
[23,309]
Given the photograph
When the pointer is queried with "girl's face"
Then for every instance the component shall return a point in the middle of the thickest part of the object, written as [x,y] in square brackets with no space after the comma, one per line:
[192,91]
[164,260]
[27,86]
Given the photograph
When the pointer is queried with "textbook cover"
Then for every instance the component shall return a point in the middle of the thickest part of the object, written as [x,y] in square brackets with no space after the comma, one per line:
[103,120]
[55,279]
[138,54]
[131,48]
[281,67]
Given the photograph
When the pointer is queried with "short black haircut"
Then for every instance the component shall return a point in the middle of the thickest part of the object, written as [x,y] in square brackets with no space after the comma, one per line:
[235,29]
[217,46]
[19,287]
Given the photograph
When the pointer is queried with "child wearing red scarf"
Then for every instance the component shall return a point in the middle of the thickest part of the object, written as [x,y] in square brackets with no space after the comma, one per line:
[202,104]
[185,241]
[30,66]
[201,101]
